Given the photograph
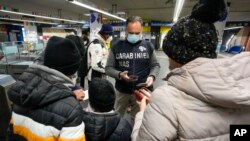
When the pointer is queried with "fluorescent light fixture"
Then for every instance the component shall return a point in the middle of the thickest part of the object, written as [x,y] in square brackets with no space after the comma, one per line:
[229,40]
[121,13]
[88,15]
[177,11]
[39,16]
[19,20]
[231,28]
[97,10]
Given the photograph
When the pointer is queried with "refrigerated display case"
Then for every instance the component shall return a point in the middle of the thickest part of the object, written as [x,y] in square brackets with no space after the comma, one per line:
[10,55]
[14,61]
[30,51]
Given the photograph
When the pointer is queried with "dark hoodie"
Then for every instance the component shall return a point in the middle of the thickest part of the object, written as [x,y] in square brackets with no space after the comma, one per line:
[44,107]
[106,127]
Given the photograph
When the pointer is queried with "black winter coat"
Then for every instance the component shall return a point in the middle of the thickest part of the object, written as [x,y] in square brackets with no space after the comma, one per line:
[44,107]
[106,127]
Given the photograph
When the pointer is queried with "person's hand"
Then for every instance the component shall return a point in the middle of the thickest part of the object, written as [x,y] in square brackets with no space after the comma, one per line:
[143,103]
[124,76]
[150,81]
[147,92]
[79,94]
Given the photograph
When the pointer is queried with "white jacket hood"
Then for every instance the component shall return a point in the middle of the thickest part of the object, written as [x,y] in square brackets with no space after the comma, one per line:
[221,82]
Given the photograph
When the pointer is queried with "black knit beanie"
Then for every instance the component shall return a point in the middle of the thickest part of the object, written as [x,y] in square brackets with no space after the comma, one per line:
[62,54]
[101,95]
[78,42]
[189,39]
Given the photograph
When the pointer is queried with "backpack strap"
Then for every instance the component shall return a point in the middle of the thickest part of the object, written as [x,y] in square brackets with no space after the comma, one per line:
[97,41]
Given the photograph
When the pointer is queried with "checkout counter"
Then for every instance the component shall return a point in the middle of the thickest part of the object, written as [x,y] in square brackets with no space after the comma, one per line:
[6,81]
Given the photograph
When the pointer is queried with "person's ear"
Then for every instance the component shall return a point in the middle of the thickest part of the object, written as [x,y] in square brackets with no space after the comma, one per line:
[106,37]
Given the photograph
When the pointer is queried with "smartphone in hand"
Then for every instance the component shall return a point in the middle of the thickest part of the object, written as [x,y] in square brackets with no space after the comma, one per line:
[133,78]
[141,85]
[139,95]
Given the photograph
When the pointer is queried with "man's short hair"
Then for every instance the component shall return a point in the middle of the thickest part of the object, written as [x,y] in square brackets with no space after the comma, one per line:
[134,19]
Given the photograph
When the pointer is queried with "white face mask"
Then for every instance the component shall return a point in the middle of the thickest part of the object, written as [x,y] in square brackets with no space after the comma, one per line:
[74,78]
[110,39]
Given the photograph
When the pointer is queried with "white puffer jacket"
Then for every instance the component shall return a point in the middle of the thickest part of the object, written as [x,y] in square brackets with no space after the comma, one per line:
[198,102]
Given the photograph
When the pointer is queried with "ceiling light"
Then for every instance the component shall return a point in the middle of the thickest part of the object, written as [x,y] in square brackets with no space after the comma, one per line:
[97,10]
[88,15]
[229,40]
[178,7]
[231,28]
[121,13]
[39,16]
[19,20]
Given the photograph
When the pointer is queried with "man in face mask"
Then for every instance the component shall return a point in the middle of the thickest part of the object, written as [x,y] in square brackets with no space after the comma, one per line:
[131,62]
[98,52]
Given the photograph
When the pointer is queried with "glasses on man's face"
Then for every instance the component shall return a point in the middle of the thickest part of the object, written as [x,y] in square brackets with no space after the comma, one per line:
[136,33]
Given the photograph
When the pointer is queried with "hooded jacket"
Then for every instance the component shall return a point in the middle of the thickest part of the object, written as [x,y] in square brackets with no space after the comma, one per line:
[44,108]
[106,127]
[198,102]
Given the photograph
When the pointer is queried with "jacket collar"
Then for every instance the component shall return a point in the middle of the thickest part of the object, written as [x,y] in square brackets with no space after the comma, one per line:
[55,74]
[91,110]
